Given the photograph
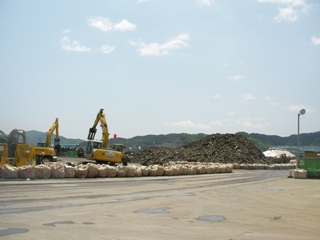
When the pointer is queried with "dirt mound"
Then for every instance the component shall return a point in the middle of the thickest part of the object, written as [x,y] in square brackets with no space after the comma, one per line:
[220,148]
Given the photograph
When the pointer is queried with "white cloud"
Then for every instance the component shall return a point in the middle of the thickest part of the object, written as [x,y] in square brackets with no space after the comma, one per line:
[297,107]
[107,49]
[101,23]
[315,40]
[66,31]
[74,46]
[156,49]
[124,25]
[273,103]
[204,2]
[294,2]
[288,14]
[247,97]
[236,77]
[105,25]
[291,9]
[187,124]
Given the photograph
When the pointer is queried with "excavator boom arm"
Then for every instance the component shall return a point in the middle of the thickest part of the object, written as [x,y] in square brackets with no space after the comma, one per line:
[101,117]
[55,126]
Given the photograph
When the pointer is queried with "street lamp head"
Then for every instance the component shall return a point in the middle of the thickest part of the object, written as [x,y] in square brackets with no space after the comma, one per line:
[302,111]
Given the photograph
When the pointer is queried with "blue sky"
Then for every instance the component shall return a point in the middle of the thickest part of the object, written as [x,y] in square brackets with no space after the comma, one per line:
[159,67]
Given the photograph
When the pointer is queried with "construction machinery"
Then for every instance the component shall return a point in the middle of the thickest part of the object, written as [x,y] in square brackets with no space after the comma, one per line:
[3,137]
[3,148]
[24,155]
[44,151]
[15,137]
[3,153]
[19,152]
[98,150]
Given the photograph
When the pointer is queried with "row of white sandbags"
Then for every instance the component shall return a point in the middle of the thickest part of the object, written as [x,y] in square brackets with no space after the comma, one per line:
[59,170]
[254,166]
[249,166]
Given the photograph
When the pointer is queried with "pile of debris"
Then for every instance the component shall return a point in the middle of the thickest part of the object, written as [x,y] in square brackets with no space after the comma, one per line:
[217,148]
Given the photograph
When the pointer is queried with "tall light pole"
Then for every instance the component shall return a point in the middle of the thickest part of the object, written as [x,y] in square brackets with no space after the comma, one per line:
[302,111]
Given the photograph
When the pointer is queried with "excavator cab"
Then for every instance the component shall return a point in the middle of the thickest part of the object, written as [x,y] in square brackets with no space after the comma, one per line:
[91,145]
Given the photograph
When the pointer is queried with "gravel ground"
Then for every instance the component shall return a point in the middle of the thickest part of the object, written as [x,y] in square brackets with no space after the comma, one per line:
[244,205]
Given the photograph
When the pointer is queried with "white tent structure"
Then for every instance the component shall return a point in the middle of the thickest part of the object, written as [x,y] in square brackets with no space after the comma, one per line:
[277,153]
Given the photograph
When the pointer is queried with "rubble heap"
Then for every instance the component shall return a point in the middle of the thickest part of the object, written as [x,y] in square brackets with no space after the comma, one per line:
[217,148]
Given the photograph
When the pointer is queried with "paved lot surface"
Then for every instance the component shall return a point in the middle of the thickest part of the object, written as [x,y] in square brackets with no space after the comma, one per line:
[242,205]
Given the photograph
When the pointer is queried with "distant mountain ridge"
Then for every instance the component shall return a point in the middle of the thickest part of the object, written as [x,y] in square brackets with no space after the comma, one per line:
[262,141]
[34,137]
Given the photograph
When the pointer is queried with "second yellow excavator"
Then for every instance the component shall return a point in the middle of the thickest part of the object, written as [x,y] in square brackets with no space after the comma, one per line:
[98,150]
[44,151]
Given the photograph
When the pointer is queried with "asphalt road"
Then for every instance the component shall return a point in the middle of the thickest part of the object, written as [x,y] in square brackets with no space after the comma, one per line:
[240,205]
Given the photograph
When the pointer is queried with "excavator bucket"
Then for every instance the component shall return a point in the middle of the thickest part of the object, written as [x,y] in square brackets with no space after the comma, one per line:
[92,133]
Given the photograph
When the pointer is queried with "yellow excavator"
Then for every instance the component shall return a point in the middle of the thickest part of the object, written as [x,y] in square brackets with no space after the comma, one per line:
[3,153]
[15,137]
[19,153]
[44,151]
[98,150]
[3,148]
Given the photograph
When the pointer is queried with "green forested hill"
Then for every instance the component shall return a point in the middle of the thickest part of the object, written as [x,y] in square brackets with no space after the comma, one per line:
[262,141]
[168,140]
[266,141]
[33,137]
